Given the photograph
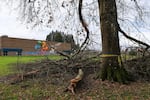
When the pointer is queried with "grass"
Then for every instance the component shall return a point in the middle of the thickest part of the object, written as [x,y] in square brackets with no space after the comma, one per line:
[7,61]
[37,90]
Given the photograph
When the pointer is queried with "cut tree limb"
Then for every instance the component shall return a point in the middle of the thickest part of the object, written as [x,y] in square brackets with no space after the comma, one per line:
[74,81]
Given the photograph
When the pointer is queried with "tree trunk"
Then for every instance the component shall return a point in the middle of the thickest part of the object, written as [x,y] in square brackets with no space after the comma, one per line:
[111,67]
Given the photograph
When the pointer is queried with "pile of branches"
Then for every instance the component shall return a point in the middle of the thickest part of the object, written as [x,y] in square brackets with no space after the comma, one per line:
[57,72]
[139,68]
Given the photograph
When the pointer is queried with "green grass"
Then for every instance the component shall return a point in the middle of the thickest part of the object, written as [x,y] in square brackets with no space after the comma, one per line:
[7,61]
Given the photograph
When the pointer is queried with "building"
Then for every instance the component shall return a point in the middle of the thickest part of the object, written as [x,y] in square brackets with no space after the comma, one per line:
[18,46]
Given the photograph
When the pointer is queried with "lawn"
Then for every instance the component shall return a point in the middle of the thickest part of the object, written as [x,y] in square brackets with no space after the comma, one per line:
[6,62]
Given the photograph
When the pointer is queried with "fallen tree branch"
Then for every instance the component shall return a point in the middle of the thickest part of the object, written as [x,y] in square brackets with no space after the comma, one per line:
[74,81]
[61,53]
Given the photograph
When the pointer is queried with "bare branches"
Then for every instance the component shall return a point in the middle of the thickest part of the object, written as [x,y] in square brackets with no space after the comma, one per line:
[138,8]
[135,17]
[75,16]
[84,24]
[133,39]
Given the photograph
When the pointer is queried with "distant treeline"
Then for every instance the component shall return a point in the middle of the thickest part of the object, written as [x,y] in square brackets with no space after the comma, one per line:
[62,37]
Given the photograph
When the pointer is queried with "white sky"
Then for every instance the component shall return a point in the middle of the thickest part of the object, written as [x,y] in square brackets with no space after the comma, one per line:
[9,25]
[13,28]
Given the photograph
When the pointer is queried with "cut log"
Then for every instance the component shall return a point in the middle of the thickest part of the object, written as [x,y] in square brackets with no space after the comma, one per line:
[74,81]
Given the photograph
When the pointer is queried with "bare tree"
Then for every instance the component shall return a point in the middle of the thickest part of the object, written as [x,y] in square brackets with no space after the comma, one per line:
[69,15]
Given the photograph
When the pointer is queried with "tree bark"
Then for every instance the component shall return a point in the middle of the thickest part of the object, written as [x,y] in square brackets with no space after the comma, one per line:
[111,68]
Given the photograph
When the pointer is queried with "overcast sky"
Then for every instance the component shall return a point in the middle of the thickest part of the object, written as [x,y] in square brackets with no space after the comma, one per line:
[9,25]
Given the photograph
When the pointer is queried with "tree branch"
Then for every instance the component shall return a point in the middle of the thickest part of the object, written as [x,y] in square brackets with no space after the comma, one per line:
[59,52]
[84,24]
[133,39]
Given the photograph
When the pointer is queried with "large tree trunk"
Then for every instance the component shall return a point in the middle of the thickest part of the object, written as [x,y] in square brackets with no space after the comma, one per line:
[111,67]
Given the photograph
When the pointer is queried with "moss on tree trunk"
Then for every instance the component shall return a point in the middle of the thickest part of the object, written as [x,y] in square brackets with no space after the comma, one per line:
[113,71]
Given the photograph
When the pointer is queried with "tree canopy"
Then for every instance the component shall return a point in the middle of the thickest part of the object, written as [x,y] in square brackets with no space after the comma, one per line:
[133,17]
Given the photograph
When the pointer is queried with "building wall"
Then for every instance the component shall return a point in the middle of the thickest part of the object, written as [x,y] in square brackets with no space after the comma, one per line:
[28,45]
[25,44]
